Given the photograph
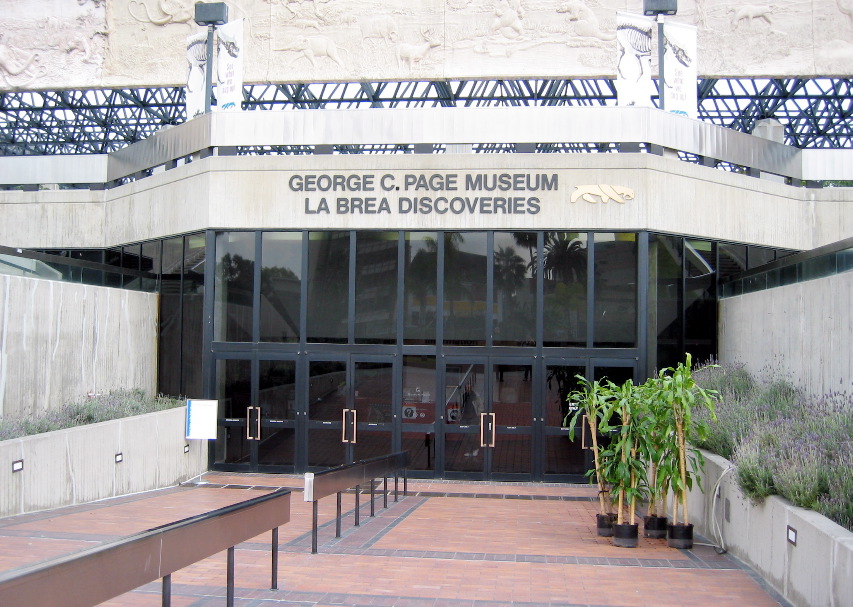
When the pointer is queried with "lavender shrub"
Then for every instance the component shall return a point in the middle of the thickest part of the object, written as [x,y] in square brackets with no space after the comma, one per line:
[98,408]
[783,441]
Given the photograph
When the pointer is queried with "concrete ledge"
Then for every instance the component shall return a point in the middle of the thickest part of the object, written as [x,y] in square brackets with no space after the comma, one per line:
[79,465]
[817,570]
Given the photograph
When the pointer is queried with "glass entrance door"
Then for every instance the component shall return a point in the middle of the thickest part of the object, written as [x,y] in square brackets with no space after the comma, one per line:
[257,414]
[373,407]
[488,418]
[567,459]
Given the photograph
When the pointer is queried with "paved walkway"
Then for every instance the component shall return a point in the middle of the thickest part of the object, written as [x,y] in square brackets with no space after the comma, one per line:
[446,544]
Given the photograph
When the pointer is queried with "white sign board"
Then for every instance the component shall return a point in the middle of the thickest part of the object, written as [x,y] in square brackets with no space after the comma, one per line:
[201,419]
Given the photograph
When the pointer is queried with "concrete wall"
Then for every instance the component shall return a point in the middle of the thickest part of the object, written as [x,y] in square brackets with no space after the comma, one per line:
[60,341]
[257,192]
[79,465]
[805,330]
[817,571]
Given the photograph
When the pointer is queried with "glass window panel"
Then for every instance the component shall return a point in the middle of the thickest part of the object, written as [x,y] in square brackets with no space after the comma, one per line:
[819,267]
[732,259]
[845,260]
[130,261]
[514,288]
[113,257]
[419,282]
[758,256]
[615,290]
[234,286]
[150,262]
[664,310]
[376,287]
[281,271]
[328,286]
[465,288]
[192,318]
[565,296]
[700,305]
[169,346]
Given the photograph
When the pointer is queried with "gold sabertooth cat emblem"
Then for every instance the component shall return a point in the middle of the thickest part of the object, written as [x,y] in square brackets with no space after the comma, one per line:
[602,193]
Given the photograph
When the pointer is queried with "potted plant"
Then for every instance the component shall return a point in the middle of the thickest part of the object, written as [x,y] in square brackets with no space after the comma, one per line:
[660,446]
[590,405]
[624,466]
[678,391]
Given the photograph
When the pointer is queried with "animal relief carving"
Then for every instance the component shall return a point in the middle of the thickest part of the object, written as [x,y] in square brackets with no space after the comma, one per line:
[602,193]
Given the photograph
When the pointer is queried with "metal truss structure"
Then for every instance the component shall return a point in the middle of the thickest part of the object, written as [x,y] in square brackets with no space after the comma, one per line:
[816,113]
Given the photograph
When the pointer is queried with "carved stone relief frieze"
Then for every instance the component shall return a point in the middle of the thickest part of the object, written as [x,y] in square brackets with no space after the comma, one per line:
[52,41]
[110,43]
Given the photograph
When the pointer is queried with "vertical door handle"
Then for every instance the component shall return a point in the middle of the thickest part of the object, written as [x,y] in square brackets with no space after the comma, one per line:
[354,426]
[344,425]
[491,429]
[483,429]
[249,435]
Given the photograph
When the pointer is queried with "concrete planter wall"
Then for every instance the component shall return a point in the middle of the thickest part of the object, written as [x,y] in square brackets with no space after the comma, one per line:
[817,571]
[79,465]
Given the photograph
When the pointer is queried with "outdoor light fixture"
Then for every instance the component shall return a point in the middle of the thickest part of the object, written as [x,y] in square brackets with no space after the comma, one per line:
[17,465]
[210,14]
[186,448]
[650,7]
[659,8]
[792,535]
[119,458]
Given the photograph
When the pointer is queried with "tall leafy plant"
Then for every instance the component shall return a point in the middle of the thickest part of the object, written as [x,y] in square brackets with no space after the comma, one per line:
[591,405]
[660,447]
[678,392]
[623,462]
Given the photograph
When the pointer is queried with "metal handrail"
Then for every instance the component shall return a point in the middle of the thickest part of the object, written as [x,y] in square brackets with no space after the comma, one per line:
[98,574]
[337,480]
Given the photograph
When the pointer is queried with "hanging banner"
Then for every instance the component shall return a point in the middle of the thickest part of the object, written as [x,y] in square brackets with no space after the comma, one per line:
[633,64]
[679,68]
[201,419]
[197,60]
[229,66]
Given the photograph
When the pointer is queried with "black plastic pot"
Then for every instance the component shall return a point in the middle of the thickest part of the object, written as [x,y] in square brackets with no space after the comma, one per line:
[604,522]
[679,536]
[626,536]
[655,526]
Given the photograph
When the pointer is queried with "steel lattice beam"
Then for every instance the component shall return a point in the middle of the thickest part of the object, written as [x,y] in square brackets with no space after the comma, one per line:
[816,113]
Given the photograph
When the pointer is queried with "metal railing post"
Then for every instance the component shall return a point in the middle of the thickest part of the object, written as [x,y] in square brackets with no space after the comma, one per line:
[229,588]
[274,582]
[385,492]
[338,518]
[167,591]
[315,508]
[357,491]
[372,499]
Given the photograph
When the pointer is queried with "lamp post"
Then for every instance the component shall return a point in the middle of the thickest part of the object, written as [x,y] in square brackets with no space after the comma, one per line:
[210,14]
[659,8]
